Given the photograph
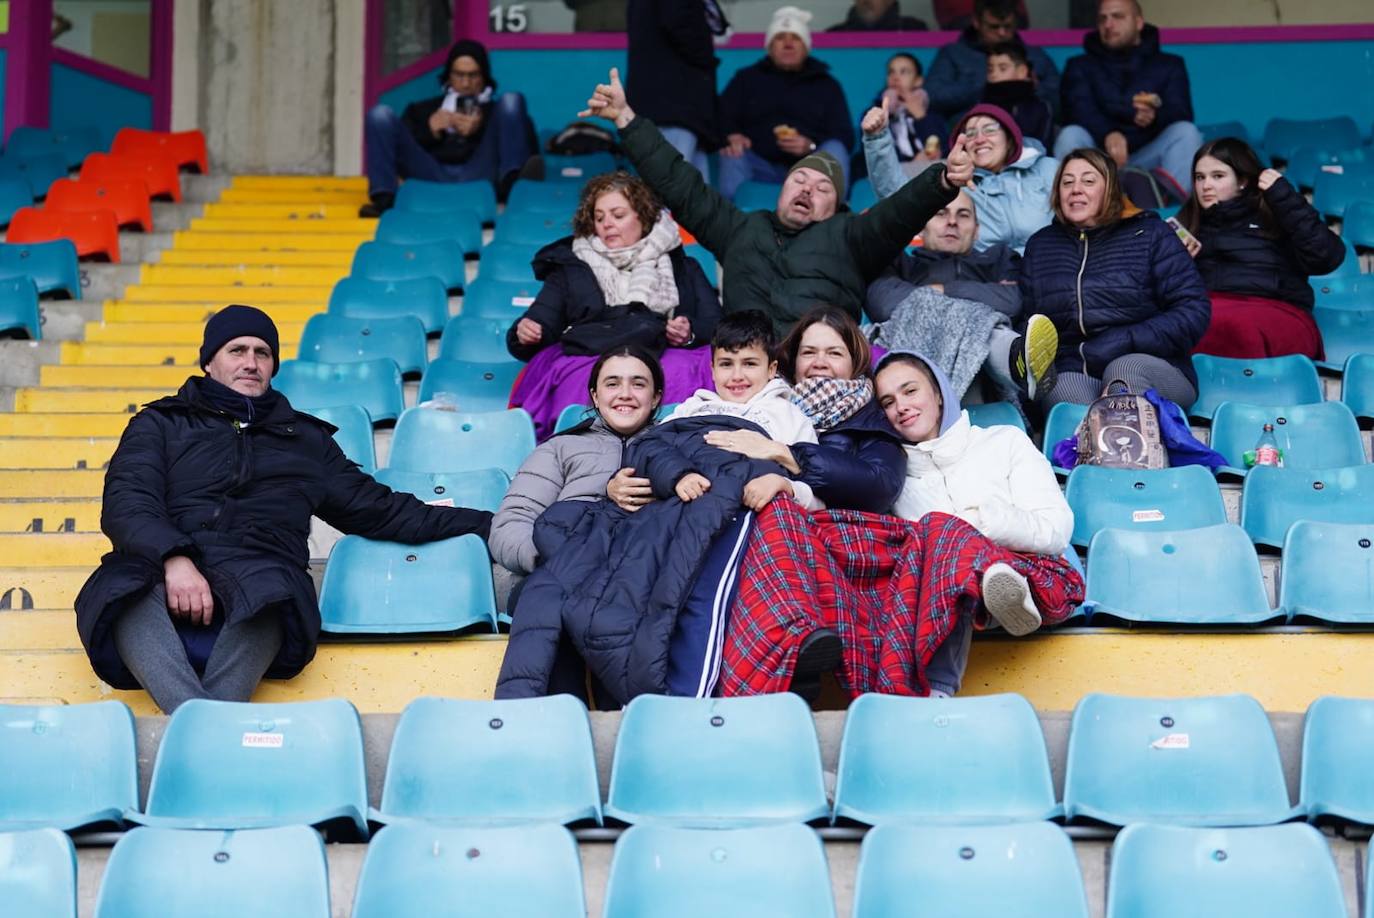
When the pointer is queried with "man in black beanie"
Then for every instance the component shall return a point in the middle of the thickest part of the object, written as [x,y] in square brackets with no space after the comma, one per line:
[207,503]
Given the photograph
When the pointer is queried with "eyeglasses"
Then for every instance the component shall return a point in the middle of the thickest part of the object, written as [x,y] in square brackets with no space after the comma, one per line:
[987,130]
[466,76]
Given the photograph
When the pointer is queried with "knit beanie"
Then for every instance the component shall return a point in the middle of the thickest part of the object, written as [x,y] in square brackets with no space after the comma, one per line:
[236,322]
[789,19]
[826,164]
[1002,117]
[475,50]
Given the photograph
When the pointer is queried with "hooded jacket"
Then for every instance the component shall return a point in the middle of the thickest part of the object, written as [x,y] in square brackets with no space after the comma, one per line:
[760,97]
[671,67]
[993,478]
[1015,202]
[1099,85]
[957,75]
[857,465]
[453,147]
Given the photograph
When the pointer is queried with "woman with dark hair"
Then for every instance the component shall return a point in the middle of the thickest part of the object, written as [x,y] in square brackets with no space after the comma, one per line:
[620,278]
[1126,299]
[1257,243]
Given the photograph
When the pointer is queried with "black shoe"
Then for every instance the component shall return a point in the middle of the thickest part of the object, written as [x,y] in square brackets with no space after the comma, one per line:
[820,653]
[1032,358]
[380,204]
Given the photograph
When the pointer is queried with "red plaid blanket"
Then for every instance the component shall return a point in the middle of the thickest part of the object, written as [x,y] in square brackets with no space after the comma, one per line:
[891,588]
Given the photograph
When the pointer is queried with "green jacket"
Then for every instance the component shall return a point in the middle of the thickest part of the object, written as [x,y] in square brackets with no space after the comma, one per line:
[785,272]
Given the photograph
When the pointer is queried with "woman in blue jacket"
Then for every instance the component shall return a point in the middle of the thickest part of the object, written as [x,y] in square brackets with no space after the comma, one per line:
[1126,299]
[1011,178]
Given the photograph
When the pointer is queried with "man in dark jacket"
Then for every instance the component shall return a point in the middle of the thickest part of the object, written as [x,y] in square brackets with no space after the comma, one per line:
[877,16]
[781,109]
[809,251]
[1127,97]
[672,72]
[207,503]
[468,133]
[957,76]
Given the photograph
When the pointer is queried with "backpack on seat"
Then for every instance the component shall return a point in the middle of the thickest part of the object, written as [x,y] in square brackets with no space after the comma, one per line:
[1121,431]
[1149,189]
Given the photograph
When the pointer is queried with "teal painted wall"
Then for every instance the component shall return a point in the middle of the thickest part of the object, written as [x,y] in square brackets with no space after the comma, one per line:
[1249,82]
[3,62]
[79,100]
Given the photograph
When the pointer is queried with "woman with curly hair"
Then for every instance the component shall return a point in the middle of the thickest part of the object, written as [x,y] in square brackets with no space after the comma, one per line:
[620,278]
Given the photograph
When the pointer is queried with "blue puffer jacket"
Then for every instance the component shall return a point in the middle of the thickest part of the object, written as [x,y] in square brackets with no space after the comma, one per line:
[614,582]
[1125,288]
[1014,203]
[858,464]
[1099,85]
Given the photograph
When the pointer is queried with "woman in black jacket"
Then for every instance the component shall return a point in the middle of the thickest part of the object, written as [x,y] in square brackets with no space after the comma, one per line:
[1257,243]
[621,278]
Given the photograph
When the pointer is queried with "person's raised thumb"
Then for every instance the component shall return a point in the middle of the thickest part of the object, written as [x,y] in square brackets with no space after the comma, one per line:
[615,76]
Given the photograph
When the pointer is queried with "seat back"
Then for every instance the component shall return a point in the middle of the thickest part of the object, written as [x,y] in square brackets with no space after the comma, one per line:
[128,198]
[1357,227]
[1290,380]
[1316,436]
[501,261]
[432,440]
[575,170]
[52,266]
[278,871]
[158,172]
[67,766]
[1062,422]
[499,300]
[416,871]
[373,384]
[14,194]
[531,228]
[862,196]
[772,871]
[1210,761]
[1284,135]
[19,308]
[558,198]
[92,232]
[391,588]
[445,752]
[1148,500]
[1268,872]
[185,148]
[353,433]
[1337,760]
[474,339]
[477,198]
[1357,385]
[1345,332]
[40,169]
[1311,588]
[707,261]
[365,298]
[992,414]
[717,762]
[1333,192]
[408,227]
[753,195]
[230,765]
[971,871]
[888,739]
[479,489]
[389,261]
[1275,499]
[333,338]
[470,386]
[38,873]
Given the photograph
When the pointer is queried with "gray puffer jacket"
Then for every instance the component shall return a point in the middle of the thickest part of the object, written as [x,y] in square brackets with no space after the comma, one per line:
[575,465]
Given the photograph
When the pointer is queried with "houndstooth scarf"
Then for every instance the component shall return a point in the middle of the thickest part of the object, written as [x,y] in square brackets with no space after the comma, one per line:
[639,273]
[831,402]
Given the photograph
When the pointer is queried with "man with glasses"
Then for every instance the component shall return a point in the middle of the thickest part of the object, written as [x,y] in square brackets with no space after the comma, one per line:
[469,133]
[956,78]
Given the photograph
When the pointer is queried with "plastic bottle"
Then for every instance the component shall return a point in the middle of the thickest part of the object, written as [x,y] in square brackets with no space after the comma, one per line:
[1267,450]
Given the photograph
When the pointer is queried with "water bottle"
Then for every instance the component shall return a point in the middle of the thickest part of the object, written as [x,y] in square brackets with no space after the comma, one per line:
[1267,450]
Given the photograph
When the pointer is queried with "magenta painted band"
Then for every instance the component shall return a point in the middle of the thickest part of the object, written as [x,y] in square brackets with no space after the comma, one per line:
[102,71]
[30,46]
[160,64]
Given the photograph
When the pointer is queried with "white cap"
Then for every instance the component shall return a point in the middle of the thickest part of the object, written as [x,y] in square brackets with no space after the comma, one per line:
[790,19]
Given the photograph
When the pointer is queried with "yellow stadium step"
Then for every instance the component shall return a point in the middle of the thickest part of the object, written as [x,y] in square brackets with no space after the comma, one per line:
[78,353]
[139,312]
[38,424]
[53,484]
[197,257]
[49,516]
[293,196]
[241,276]
[355,227]
[40,588]
[307,214]
[174,332]
[50,453]
[50,629]
[222,294]
[85,401]
[250,242]
[104,377]
[302,182]
[58,549]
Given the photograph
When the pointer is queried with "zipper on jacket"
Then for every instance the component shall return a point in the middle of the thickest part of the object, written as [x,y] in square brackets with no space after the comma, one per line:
[1078,284]
[241,463]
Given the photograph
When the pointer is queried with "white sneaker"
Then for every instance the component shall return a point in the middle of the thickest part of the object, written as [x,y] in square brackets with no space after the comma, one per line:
[1007,596]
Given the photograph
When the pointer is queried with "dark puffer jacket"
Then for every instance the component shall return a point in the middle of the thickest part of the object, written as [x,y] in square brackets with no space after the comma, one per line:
[1125,288]
[187,480]
[782,271]
[1239,255]
[672,66]
[571,296]
[857,465]
[614,582]
[761,97]
[1099,85]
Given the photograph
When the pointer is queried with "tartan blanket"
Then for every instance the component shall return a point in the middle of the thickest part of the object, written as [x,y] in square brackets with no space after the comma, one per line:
[891,588]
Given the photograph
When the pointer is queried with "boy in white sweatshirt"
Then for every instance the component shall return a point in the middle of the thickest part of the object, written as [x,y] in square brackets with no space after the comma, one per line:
[748,387]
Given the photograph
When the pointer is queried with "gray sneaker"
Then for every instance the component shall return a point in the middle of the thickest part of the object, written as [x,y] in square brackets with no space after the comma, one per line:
[1007,596]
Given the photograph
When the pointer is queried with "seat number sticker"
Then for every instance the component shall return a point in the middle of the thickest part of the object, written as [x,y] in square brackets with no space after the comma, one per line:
[262,740]
[1171,741]
[1147,516]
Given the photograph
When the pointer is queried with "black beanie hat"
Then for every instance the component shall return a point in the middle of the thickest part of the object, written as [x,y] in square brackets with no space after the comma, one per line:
[235,322]
[473,49]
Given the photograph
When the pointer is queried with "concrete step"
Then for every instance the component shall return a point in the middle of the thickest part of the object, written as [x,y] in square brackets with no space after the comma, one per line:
[58,549]
[20,360]
[49,453]
[252,242]
[64,424]
[170,276]
[307,214]
[86,401]
[203,188]
[50,515]
[143,247]
[107,282]
[219,293]
[352,228]
[169,216]
[34,588]
[183,333]
[342,258]
[65,320]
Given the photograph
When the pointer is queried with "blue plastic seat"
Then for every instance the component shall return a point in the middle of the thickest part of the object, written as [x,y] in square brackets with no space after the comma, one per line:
[478,198]
[1337,760]
[38,874]
[1026,869]
[373,384]
[52,266]
[1209,761]
[390,588]
[472,386]
[423,297]
[72,144]
[14,194]
[331,338]
[1357,227]
[1315,436]
[390,261]
[1332,192]
[501,261]
[418,871]
[446,751]
[433,440]
[571,416]
[717,762]
[1284,135]
[475,339]
[1328,572]
[529,228]
[1290,380]
[1336,281]
[502,300]
[67,766]
[479,489]
[1308,162]
[408,227]
[1205,576]
[1274,499]
[1345,332]
[1221,129]
[991,414]
[1152,500]
[575,170]
[1267,872]
[278,871]
[19,308]
[41,170]
[1357,385]
[1062,422]
[760,872]
[862,196]
[890,738]
[753,195]
[353,433]
[707,261]
[232,765]
[559,198]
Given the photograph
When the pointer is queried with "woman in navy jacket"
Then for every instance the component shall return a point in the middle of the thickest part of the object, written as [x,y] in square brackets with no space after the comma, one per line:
[1124,295]
[1257,243]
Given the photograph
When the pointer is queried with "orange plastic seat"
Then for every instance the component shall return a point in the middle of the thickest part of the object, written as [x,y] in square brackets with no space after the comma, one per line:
[187,148]
[156,170]
[93,232]
[128,198]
